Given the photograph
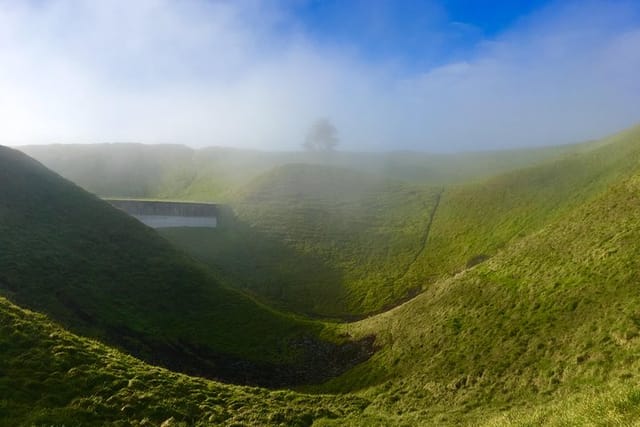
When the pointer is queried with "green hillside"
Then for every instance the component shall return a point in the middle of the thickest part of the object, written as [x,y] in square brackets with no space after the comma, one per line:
[529,310]
[320,240]
[51,377]
[474,221]
[551,314]
[99,272]
[546,331]
[333,242]
[57,378]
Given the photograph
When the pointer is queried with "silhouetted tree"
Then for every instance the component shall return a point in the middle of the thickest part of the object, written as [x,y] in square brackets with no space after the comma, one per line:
[322,136]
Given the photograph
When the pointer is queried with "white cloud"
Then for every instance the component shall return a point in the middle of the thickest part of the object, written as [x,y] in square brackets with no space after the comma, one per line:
[226,73]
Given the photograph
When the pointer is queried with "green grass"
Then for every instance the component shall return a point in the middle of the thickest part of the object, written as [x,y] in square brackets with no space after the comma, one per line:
[333,242]
[51,377]
[530,311]
[475,220]
[614,403]
[546,332]
[319,240]
[99,272]
[552,314]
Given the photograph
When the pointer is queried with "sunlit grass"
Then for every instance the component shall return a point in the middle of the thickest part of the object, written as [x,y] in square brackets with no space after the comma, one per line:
[530,311]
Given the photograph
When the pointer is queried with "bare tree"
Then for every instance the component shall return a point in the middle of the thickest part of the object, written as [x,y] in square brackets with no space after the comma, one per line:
[322,136]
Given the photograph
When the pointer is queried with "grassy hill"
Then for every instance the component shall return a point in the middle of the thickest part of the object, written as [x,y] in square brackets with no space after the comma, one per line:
[52,377]
[123,170]
[320,240]
[524,338]
[101,273]
[529,312]
[475,220]
[334,242]
[49,376]
[551,314]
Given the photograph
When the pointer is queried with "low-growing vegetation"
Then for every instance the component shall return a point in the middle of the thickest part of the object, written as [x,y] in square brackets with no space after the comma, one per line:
[551,314]
[103,274]
[524,307]
[51,377]
[322,241]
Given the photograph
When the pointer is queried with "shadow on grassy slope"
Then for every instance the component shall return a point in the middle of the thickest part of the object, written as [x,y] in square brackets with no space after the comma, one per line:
[101,273]
[49,376]
[261,265]
[321,241]
[551,314]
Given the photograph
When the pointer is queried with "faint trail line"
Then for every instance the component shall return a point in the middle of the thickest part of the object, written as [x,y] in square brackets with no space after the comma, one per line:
[411,293]
[425,237]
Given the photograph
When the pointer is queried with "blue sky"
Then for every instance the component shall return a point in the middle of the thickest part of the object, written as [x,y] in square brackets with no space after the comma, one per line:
[414,33]
[433,75]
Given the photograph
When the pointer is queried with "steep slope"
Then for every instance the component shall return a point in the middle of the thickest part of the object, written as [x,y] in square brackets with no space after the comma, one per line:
[545,330]
[552,314]
[474,221]
[553,352]
[354,244]
[51,377]
[101,273]
[321,240]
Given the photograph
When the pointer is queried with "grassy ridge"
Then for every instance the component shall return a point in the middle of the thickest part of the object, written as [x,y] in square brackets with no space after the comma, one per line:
[522,338]
[51,377]
[211,174]
[334,242]
[551,314]
[320,240]
[530,300]
[101,273]
[474,221]
[121,170]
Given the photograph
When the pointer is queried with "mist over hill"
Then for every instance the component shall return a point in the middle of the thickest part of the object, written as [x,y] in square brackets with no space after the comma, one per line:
[176,171]
[492,300]
[302,213]
[101,273]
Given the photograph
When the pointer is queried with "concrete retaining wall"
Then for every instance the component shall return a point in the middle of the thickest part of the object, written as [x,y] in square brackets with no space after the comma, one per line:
[158,214]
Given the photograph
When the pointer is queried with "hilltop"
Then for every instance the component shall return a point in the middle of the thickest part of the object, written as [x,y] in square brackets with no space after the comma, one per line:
[213,174]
